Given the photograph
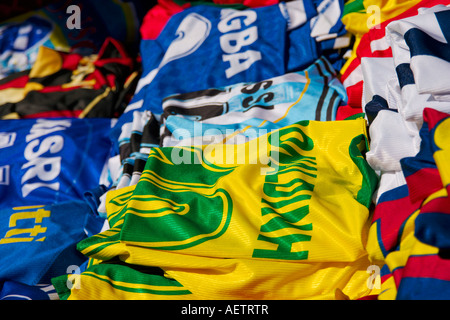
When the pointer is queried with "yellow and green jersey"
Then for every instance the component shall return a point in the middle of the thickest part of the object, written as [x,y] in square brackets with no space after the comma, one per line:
[283,216]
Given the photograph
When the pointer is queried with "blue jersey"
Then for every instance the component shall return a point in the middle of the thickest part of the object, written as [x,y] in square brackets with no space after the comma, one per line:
[45,161]
[208,46]
[12,290]
[39,242]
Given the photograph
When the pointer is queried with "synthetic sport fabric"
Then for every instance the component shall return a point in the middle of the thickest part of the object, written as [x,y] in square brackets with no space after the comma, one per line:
[23,35]
[234,52]
[46,161]
[241,240]
[371,42]
[420,43]
[61,84]
[39,242]
[410,245]
[312,94]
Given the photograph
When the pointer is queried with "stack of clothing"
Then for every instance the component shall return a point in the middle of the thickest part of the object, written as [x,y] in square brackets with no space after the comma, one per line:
[233,179]
[60,96]
[405,97]
[226,149]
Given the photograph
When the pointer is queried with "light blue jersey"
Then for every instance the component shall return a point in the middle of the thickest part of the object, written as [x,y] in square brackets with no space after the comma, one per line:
[312,94]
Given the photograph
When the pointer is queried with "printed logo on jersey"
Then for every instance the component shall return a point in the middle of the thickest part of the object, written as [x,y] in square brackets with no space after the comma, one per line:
[190,35]
[25,225]
[43,157]
[238,33]
[192,32]
[202,211]
[180,204]
[285,202]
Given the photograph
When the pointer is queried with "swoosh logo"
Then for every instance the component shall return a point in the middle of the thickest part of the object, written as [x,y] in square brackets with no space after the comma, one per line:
[190,35]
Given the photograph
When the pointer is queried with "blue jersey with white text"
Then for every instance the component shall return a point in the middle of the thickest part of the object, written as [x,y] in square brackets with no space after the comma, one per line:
[46,161]
[208,46]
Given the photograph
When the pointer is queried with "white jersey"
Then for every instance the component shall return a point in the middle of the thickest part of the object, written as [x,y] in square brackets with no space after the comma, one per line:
[420,51]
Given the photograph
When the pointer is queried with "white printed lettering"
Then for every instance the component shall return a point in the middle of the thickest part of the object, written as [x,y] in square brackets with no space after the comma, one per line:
[248,57]
[230,19]
[53,144]
[38,168]
[44,127]
[43,163]
[233,42]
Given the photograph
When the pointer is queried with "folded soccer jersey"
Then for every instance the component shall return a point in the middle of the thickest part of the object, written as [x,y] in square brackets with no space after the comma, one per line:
[12,290]
[12,87]
[409,230]
[44,161]
[312,94]
[71,85]
[59,26]
[426,37]
[20,42]
[419,48]
[215,42]
[215,49]
[157,16]
[373,43]
[433,220]
[426,276]
[118,281]
[292,212]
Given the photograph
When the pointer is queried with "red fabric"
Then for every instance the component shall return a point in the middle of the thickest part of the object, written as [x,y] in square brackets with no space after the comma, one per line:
[157,17]
[15,82]
[55,114]
[343,112]
[354,92]
[432,117]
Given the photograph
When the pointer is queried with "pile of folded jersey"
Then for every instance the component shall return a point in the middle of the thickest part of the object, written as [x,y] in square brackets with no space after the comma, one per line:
[232,114]
[80,26]
[384,89]
[198,197]
[61,84]
[367,21]
[262,150]
[405,98]
[232,54]
[60,96]
[199,225]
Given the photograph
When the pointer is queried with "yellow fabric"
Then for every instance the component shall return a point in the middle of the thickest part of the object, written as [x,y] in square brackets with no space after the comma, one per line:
[441,156]
[107,286]
[11,95]
[376,12]
[358,23]
[48,61]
